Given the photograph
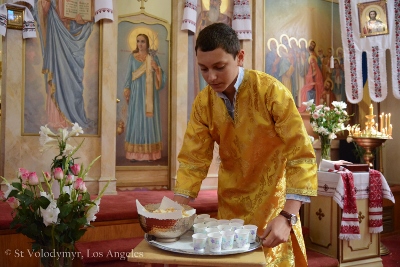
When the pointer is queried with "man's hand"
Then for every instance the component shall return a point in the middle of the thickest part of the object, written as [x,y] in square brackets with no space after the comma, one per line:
[277,232]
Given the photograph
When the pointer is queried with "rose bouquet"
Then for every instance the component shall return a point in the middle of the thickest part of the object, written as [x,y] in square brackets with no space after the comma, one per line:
[54,223]
[326,122]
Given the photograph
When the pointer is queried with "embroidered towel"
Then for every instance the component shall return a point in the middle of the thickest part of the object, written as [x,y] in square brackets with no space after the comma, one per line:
[103,9]
[241,22]
[189,16]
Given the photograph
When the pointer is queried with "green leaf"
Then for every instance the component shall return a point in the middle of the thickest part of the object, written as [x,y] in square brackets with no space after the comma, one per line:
[17,185]
[27,200]
[65,210]
[29,193]
[13,193]
[43,202]
[78,234]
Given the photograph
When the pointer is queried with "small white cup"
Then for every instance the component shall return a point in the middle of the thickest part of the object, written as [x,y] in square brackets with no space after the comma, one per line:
[203,216]
[223,222]
[212,224]
[199,242]
[199,228]
[235,226]
[198,220]
[213,229]
[224,227]
[241,237]
[214,241]
[227,240]
[206,220]
[240,221]
[253,232]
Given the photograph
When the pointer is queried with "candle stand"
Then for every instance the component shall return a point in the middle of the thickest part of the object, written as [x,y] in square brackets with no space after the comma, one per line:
[370,138]
[369,143]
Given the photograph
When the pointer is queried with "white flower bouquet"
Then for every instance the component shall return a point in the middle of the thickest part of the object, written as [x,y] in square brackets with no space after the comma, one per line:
[54,224]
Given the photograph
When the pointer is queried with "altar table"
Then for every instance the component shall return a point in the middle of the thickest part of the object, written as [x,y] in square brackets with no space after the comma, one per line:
[148,254]
[323,217]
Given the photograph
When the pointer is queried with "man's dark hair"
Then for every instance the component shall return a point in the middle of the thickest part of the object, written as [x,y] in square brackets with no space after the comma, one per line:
[218,35]
[369,14]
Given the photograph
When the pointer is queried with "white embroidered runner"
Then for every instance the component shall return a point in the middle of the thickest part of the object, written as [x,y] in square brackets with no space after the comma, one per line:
[372,186]
[375,47]
[241,22]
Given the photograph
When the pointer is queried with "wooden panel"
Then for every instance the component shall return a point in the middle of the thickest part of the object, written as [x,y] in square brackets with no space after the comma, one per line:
[109,232]
[19,250]
[142,177]
[321,218]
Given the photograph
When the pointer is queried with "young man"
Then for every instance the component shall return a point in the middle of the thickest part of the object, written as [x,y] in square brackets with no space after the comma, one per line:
[267,161]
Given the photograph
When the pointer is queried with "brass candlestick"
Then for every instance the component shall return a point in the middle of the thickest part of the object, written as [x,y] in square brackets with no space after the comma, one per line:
[369,143]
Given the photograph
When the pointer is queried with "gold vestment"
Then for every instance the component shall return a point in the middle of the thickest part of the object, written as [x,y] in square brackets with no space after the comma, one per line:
[265,153]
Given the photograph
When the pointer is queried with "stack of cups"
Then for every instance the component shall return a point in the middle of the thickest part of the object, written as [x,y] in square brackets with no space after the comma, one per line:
[216,235]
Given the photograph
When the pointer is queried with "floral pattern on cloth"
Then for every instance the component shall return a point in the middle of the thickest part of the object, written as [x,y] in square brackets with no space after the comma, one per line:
[354,44]
[352,51]
[28,26]
[103,10]
[241,22]
[349,226]
[397,41]
[189,15]
[377,72]
[351,187]
[241,18]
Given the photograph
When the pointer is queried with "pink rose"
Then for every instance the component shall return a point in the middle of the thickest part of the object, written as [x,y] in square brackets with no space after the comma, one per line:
[76,168]
[69,179]
[80,185]
[13,202]
[33,179]
[47,176]
[25,178]
[58,173]
[21,171]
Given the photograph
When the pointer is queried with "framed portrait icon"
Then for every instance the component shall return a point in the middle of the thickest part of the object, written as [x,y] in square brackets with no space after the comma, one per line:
[15,17]
[373,18]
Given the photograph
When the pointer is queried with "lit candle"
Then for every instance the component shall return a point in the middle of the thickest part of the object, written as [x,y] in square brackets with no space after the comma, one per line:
[381,122]
[389,119]
[371,110]
[386,123]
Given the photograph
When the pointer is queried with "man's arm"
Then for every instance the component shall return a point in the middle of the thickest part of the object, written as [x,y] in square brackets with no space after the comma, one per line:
[278,229]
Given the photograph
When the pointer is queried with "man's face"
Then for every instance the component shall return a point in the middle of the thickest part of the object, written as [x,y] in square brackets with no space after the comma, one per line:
[218,68]
[327,85]
[312,46]
[215,4]
[372,15]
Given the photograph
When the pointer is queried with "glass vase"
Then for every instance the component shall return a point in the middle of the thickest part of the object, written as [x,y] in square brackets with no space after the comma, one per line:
[325,147]
[60,256]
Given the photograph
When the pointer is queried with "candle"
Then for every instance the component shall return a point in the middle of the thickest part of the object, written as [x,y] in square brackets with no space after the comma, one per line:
[386,123]
[371,110]
[390,129]
[389,119]
[381,122]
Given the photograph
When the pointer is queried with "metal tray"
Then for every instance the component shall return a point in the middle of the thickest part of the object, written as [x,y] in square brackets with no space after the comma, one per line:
[185,246]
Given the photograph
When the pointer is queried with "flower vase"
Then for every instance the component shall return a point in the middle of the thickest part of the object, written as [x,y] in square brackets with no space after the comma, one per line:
[325,147]
[61,257]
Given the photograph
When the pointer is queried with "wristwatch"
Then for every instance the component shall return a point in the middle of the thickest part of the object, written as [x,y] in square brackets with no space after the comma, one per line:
[292,219]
